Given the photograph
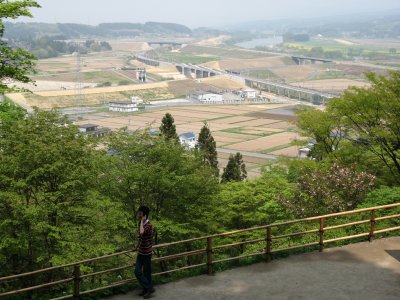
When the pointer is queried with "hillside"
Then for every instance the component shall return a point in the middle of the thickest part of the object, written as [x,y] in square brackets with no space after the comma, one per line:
[24,31]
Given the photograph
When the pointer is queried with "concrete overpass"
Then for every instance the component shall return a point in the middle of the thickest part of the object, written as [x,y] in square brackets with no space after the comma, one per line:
[189,70]
[194,71]
[293,92]
[148,61]
[288,91]
[164,44]
[300,60]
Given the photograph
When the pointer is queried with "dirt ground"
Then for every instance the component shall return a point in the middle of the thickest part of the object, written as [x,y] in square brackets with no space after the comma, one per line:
[239,64]
[331,85]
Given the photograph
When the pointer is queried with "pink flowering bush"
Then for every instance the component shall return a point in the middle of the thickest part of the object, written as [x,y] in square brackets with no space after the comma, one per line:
[329,190]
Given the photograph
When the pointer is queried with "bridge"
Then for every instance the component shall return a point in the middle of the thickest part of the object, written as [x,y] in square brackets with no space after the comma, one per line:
[189,70]
[300,60]
[164,44]
[280,89]
[363,271]
[289,91]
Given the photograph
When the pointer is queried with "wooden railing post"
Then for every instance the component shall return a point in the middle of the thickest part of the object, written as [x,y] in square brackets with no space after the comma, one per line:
[209,256]
[269,242]
[372,229]
[321,234]
[77,282]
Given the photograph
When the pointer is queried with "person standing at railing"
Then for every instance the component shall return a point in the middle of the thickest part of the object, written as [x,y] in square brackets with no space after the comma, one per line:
[144,252]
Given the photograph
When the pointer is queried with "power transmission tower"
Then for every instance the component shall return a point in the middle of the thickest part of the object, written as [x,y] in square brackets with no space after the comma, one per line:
[79,97]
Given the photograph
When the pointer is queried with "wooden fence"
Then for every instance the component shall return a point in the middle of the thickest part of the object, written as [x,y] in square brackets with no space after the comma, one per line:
[208,250]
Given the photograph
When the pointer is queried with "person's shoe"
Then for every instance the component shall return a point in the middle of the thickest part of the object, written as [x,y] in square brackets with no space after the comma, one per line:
[148,293]
[142,293]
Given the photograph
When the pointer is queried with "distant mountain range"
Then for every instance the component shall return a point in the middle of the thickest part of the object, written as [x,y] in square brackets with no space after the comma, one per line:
[373,25]
[26,31]
[385,24]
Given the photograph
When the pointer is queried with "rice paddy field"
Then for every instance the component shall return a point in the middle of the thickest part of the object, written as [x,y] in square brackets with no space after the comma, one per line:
[236,128]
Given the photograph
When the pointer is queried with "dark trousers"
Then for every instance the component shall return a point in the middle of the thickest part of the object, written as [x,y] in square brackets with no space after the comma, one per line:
[143,270]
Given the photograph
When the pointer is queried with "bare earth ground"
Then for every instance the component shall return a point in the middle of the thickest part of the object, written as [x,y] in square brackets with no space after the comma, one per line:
[214,41]
[345,42]
[363,271]
[148,91]
[238,64]
[92,62]
[47,85]
[129,45]
[332,85]
[298,73]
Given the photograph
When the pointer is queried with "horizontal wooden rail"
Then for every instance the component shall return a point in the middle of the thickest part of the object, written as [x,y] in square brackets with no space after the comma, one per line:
[238,244]
[347,225]
[115,284]
[238,257]
[294,234]
[175,256]
[209,249]
[387,217]
[36,287]
[106,271]
[387,230]
[347,237]
[295,247]
[180,269]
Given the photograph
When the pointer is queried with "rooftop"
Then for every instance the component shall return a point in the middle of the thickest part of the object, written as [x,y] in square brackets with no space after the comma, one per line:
[188,135]
[88,125]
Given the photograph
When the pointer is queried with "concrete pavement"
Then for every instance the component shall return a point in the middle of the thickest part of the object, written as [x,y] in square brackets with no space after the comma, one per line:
[360,271]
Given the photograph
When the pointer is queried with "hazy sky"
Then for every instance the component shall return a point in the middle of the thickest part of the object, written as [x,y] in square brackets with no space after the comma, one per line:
[200,12]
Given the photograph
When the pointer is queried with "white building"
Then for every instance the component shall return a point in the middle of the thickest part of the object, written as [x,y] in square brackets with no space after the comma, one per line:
[249,94]
[209,97]
[126,106]
[188,139]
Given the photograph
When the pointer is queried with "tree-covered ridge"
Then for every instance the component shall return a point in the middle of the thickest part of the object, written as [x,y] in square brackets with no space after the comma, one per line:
[19,30]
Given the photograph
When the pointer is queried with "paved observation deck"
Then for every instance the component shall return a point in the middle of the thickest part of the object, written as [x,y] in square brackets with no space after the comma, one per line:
[359,271]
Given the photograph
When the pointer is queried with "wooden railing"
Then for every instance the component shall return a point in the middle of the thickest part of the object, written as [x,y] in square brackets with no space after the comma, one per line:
[208,250]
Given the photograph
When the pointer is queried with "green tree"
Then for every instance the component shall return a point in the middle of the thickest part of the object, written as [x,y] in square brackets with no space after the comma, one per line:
[208,148]
[372,117]
[168,128]
[252,203]
[325,128]
[50,212]
[15,64]
[235,169]
[9,112]
[161,174]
